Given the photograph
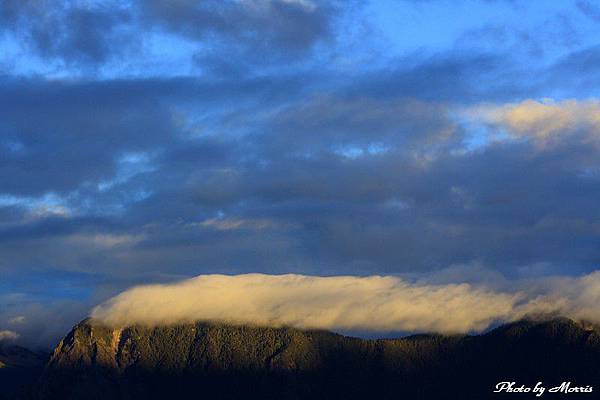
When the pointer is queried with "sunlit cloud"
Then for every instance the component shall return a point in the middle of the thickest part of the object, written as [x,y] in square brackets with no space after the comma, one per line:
[8,335]
[544,120]
[374,303]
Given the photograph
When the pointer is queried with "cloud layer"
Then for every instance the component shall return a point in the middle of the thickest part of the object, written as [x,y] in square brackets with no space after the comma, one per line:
[375,303]
[151,141]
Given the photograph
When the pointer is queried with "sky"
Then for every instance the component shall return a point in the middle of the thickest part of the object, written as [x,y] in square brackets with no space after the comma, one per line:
[146,142]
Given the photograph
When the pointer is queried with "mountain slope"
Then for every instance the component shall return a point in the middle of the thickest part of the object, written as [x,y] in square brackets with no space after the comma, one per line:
[19,368]
[223,361]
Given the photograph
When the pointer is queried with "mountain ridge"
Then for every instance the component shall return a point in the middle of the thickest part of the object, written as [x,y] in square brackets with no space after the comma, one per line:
[233,361]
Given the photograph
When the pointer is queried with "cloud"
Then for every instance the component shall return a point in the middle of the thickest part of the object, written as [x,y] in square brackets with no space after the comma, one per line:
[249,31]
[80,32]
[101,37]
[104,241]
[374,303]
[546,121]
[589,9]
[321,169]
[19,319]
[576,298]
[225,224]
[8,335]
[331,123]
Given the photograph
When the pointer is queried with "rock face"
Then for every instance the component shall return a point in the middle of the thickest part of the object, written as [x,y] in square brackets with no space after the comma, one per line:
[216,361]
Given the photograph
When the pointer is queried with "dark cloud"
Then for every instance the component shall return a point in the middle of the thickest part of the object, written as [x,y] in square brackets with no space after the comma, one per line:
[68,31]
[59,135]
[576,72]
[192,175]
[449,77]
[262,31]
[335,182]
[589,9]
[290,25]
[229,33]
[69,134]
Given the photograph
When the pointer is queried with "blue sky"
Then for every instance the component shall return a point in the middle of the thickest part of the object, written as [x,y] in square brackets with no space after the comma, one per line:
[151,141]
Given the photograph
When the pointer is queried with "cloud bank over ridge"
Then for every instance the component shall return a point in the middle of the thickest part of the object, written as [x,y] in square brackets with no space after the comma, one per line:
[373,303]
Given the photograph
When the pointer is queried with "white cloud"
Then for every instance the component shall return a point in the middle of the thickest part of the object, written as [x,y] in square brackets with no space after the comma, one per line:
[577,298]
[375,303]
[339,303]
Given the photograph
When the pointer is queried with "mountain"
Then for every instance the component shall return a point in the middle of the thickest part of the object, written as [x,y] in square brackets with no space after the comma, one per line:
[19,369]
[218,361]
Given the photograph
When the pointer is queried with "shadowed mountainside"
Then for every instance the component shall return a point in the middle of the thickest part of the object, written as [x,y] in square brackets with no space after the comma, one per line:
[222,361]
[19,369]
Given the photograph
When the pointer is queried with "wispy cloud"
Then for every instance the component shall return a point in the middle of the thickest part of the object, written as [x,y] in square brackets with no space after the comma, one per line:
[19,319]
[226,224]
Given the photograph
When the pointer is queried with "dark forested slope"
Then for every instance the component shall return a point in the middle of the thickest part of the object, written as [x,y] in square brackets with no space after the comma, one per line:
[208,360]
